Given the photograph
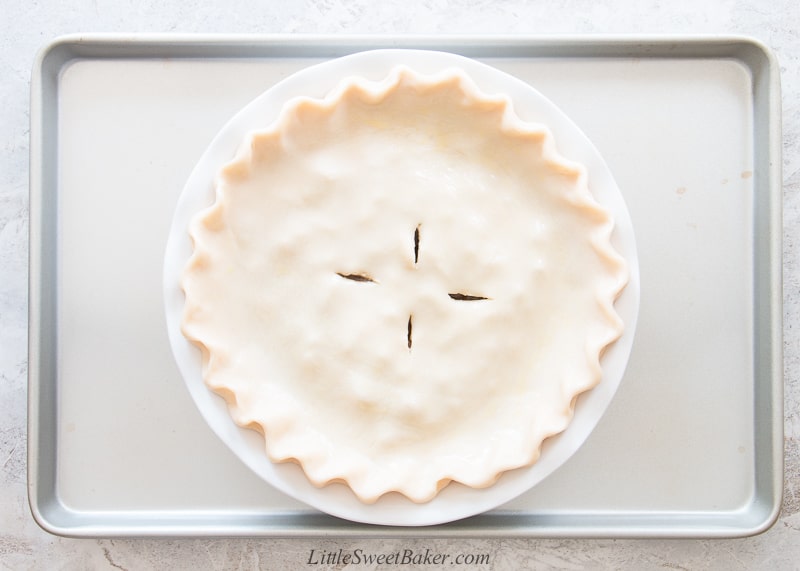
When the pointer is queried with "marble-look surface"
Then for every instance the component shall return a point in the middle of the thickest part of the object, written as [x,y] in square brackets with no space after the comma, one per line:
[25,26]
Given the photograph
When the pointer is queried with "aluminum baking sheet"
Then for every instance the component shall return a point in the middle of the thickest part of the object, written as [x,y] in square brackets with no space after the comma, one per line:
[692,444]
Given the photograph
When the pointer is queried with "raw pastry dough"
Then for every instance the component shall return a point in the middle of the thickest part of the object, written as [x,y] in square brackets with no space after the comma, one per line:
[402,285]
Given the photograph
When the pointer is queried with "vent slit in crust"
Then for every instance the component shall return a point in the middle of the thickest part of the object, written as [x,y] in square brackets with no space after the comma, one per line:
[356,277]
[416,244]
[465,297]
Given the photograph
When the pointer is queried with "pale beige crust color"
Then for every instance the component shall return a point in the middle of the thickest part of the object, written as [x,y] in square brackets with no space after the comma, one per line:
[403,285]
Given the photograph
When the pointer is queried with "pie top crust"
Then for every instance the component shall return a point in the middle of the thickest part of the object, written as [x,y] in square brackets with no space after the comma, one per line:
[402,284]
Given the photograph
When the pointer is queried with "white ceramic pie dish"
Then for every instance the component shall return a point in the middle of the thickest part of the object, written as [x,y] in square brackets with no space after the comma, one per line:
[455,501]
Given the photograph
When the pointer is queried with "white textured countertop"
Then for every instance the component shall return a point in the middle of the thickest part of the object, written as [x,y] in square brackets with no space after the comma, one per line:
[25,27]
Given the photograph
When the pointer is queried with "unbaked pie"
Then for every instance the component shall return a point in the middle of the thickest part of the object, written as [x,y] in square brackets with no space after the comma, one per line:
[401,285]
